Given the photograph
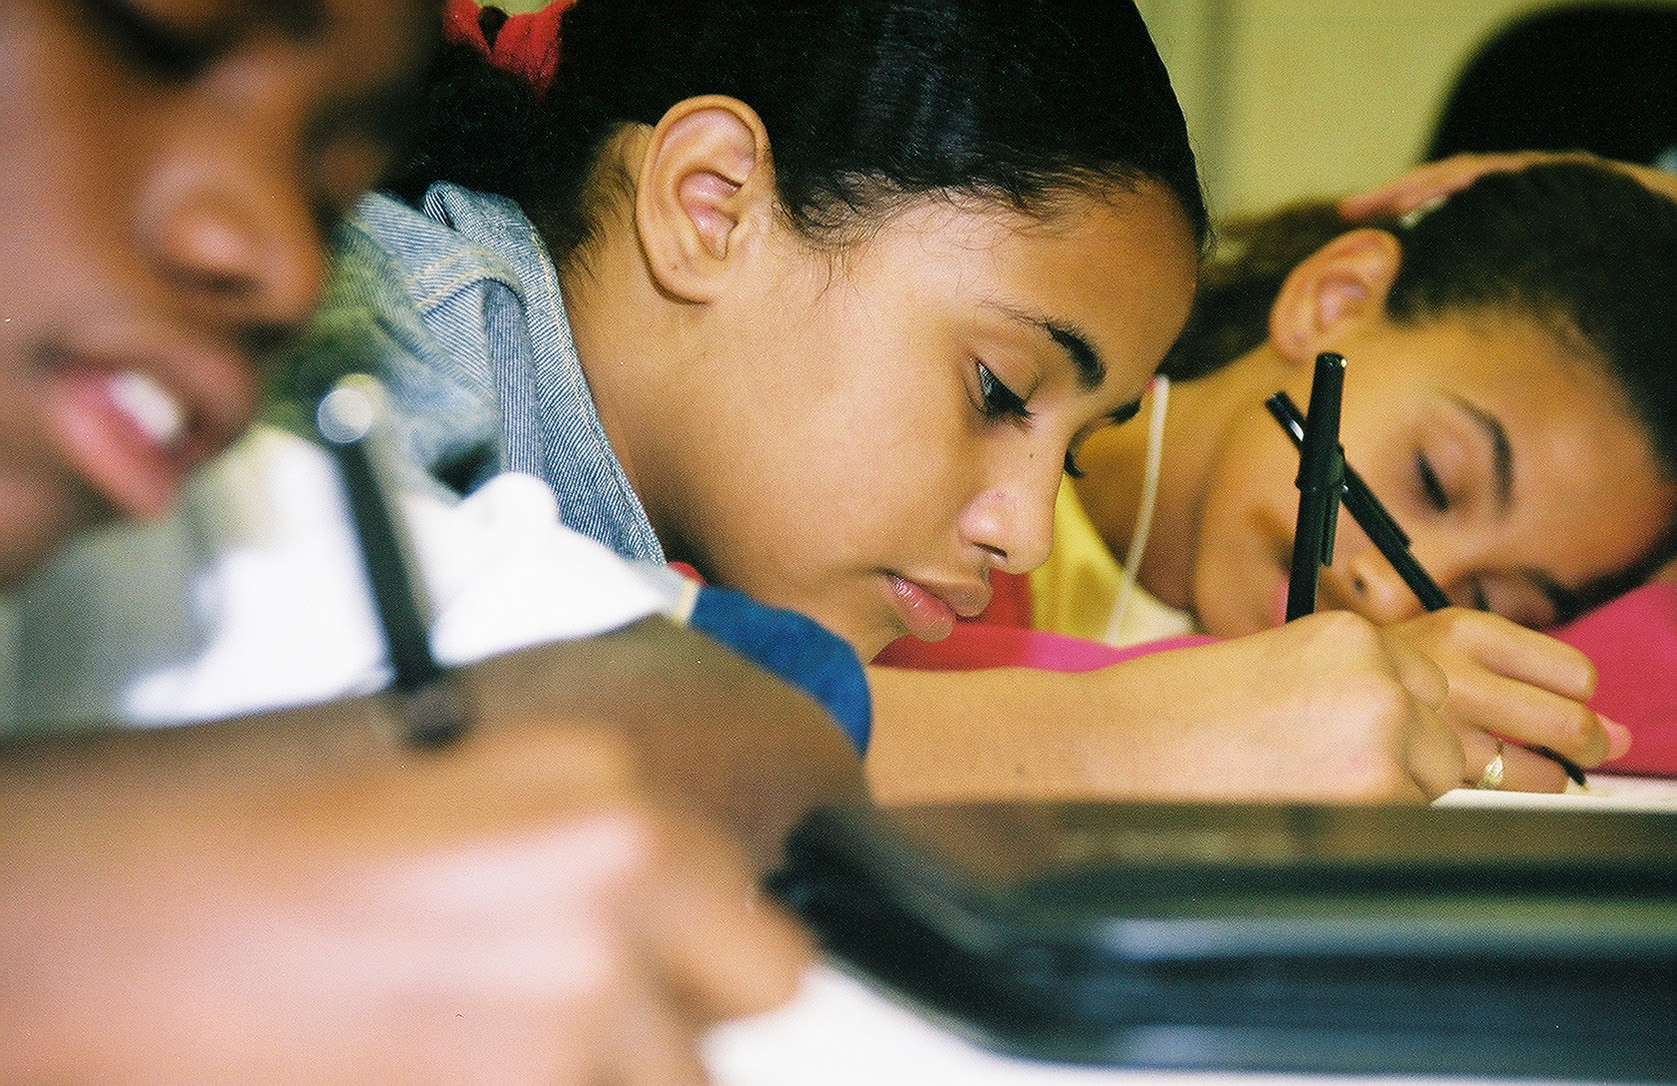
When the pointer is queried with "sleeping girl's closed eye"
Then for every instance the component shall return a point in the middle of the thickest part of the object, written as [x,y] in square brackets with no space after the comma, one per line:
[996,400]
[1431,488]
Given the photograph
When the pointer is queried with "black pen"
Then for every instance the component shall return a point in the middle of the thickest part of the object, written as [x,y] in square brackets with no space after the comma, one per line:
[1369,514]
[1383,531]
[432,704]
[1320,480]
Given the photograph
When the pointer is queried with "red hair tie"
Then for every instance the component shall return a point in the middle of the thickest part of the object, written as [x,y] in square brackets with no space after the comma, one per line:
[526,45]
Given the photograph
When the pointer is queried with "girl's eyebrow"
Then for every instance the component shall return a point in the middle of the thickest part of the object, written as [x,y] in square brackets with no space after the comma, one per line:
[1091,371]
[1502,453]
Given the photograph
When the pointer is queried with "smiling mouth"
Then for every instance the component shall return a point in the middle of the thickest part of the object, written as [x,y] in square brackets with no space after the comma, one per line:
[153,411]
[125,434]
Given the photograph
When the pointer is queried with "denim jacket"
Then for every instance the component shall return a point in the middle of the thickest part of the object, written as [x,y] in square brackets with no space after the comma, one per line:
[457,309]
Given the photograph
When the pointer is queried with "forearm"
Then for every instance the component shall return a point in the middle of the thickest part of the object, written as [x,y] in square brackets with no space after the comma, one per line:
[202,897]
[709,732]
[1009,733]
[1324,709]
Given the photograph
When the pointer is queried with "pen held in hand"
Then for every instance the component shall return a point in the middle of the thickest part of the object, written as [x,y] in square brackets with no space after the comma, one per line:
[1383,531]
[1320,479]
[432,704]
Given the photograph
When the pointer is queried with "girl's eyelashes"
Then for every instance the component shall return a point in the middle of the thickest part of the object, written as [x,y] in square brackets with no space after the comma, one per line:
[996,400]
[1124,414]
[1481,601]
[147,42]
[1117,418]
[1431,486]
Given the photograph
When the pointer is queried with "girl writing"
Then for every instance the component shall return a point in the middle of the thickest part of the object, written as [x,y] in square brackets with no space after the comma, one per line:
[279,899]
[1510,398]
[819,299]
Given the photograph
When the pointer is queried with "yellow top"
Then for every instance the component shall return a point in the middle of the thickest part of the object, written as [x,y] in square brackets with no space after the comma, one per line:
[1076,590]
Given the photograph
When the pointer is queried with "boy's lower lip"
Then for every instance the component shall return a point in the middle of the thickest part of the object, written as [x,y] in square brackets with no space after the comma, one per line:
[923,614]
[108,450]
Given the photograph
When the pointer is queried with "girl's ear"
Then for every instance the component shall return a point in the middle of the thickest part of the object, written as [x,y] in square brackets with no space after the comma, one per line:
[705,189]
[1334,289]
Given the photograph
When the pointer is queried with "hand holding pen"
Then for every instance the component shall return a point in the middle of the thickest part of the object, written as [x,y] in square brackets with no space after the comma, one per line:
[1324,480]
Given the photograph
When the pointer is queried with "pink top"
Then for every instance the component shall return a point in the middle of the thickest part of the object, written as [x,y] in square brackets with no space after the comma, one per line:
[1633,642]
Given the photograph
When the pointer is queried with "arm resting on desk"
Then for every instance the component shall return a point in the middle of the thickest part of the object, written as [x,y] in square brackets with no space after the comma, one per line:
[300,897]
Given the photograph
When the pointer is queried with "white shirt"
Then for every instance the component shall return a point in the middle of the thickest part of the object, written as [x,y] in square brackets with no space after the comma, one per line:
[251,595]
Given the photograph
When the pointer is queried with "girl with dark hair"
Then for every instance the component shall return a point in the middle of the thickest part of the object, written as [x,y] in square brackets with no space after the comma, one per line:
[1510,396]
[819,299]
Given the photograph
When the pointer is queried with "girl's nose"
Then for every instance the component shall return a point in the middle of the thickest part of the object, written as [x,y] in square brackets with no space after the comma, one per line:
[1014,523]
[1368,584]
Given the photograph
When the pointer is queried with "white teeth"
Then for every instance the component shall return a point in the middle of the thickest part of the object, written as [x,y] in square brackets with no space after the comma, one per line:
[158,415]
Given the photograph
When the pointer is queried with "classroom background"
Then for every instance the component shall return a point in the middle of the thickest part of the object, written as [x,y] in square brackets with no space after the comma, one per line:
[1293,98]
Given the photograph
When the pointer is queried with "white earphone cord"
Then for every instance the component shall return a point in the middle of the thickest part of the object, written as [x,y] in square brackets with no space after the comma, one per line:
[1144,515]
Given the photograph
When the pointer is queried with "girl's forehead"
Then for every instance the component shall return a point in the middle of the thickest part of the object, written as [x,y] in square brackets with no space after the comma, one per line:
[1488,350]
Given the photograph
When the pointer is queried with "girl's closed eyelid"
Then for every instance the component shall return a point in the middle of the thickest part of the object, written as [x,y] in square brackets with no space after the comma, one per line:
[996,400]
[1431,486]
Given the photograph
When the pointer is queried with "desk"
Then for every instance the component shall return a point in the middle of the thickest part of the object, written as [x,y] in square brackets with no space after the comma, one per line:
[1604,791]
[840,1032]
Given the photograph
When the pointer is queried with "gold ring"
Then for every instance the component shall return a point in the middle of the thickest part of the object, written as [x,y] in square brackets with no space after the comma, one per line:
[1491,779]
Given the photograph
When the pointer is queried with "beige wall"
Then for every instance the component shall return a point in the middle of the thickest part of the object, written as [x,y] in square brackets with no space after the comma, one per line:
[1288,98]
[1301,97]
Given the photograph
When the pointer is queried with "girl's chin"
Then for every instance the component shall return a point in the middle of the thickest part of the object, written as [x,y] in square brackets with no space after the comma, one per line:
[869,647]
[35,524]
[868,636]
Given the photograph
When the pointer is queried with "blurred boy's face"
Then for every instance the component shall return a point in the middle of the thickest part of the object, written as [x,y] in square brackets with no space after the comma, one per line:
[1504,454]
[166,169]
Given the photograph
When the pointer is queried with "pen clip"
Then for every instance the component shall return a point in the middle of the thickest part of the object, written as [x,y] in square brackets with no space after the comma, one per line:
[1321,478]
[1330,511]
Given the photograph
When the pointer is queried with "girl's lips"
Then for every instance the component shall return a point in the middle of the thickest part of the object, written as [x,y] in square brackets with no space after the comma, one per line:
[923,613]
[124,434]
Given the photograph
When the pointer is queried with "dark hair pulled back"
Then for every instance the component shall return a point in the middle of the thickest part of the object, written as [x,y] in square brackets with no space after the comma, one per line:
[866,102]
[1586,250]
